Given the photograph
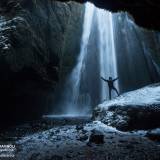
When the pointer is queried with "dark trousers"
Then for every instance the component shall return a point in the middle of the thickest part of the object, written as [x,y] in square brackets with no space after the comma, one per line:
[110,90]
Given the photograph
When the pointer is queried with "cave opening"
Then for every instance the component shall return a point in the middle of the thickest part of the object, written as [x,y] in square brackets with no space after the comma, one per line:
[56,60]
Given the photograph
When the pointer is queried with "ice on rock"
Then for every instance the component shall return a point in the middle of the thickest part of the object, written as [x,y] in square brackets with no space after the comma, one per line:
[139,109]
[141,97]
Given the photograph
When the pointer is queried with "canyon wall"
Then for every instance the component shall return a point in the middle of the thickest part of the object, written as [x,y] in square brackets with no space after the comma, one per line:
[39,41]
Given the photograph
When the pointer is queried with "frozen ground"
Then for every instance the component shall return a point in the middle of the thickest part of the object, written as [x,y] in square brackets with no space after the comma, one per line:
[146,96]
[64,142]
[68,142]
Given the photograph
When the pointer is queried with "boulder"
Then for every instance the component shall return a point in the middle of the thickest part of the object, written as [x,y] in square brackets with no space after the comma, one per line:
[83,137]
[139,109]
[96,137]
[154,135]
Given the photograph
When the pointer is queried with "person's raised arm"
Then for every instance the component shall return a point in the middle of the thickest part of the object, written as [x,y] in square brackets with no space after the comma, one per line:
[104,79]
[116,79]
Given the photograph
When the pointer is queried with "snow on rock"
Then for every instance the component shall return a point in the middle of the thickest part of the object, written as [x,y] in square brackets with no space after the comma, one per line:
[7,26]
[61,141]
[139,109]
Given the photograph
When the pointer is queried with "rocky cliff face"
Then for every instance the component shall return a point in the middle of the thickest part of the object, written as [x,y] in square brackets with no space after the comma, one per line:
[145,12]
[35,53]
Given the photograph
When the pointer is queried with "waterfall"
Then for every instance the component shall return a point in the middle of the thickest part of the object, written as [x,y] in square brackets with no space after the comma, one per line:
[135,48]
[73,102]
[111,46]
[108,64]
[78,97]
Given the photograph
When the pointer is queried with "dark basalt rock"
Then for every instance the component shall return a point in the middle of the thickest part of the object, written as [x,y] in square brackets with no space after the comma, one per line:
[79,127]
[35,55]
[145,12]
[154,135]
[55,157]
[83,137]
[96,137]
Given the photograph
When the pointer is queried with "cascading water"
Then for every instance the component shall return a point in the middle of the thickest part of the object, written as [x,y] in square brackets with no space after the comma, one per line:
[134,46]
[75,100]
[111,46]
[71,102]
[108,64]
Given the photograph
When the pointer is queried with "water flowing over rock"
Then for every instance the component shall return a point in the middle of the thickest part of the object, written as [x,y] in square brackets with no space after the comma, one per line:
[77,96]
[71,99]
[108,59]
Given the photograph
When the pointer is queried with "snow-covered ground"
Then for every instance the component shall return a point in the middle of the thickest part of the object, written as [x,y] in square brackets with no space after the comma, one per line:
[68,142]
[146,96]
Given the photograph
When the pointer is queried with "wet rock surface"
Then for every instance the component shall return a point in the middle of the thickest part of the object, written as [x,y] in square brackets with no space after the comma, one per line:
[145,12]
[63,142]
[35,54]
[96,137]
[139,109]
[154,135]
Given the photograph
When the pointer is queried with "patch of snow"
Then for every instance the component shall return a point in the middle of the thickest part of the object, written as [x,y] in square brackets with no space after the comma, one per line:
[155,131]
[98,125]
[138,133]
[6,47]
[149,95]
